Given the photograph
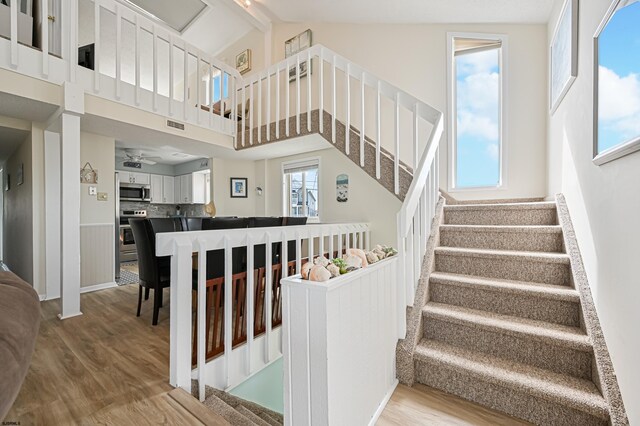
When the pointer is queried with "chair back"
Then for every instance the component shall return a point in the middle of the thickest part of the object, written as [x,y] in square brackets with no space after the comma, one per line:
[215,258]
[291,245]
[193,223]
[145,247]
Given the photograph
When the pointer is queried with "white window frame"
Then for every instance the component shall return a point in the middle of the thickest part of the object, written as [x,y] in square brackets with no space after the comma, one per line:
[285,194]
[452,107]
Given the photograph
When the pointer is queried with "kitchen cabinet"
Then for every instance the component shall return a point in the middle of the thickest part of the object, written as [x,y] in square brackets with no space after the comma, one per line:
[192,188]
[162,189]
[168,190]
[134,177]
[156,189]
[186,189]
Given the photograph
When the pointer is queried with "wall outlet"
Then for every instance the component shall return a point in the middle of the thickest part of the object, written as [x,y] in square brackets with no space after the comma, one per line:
[102,196]
[93,190]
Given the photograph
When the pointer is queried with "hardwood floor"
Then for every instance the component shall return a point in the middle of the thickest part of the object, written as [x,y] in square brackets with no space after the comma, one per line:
[421,405]
[104,367]
[110,367]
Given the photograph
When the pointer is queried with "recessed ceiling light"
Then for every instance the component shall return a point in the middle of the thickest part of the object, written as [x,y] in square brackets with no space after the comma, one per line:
[246,3]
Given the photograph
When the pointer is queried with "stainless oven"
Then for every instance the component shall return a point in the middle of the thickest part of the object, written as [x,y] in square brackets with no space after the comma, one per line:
[135,192]
[127,246]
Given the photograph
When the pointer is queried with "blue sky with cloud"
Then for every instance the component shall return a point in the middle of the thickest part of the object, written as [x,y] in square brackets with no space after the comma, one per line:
[478,113]
[619,78]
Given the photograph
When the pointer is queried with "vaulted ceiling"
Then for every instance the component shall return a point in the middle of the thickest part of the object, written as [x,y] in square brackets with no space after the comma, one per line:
[410,11]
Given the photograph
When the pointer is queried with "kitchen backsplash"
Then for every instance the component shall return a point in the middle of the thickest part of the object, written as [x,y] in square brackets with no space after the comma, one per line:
[164,210]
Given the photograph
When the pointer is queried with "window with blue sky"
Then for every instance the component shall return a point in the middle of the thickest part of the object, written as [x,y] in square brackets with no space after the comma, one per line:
[477,114]
[619,78]
[216,87]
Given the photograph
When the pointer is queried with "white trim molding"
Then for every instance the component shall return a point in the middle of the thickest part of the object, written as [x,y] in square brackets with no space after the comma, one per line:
[451,109]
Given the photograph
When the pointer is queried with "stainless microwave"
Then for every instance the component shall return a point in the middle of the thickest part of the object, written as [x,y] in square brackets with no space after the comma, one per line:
[135,192]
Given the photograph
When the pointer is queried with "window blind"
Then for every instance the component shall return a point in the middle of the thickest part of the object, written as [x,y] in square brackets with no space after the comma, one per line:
[301,166]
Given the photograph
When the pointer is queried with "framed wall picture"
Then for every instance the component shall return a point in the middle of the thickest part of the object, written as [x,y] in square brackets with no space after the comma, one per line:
[563,54]
[238,187]
[243,61]
[295,45]
[342,188]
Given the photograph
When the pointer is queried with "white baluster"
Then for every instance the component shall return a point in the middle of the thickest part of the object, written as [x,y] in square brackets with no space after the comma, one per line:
[252,108]
[268,293]
[221,94]
[243,110]
[186,82]
[45,37]
[396,154]
[288,100]
[330,244]
[155,68]
[118,51]
[137,59]
[171,82]
[321,245]
[250,304]
[347,130]
[13,11]
[333,101]
[298,253]
[362,125]
[198,80]
[378,131]
[416,135]
[228,310]
[321,91]
[278,103]
[97,42]
[309,91]
[202,317]
[310,248]
[268,134]
[298,94]
[232,95]
[259,108]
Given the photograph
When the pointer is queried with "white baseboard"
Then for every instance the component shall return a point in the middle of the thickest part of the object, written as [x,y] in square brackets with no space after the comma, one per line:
[383,404]
[97,287]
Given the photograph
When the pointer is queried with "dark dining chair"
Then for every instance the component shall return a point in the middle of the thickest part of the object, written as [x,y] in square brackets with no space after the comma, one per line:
[291,245]
[259,251]
[154,272]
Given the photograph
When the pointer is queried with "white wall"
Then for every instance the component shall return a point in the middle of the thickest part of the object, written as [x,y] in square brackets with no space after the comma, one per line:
[605,207]
[413,57]
[99,151]
[254,40]
[225,169]
[368,201]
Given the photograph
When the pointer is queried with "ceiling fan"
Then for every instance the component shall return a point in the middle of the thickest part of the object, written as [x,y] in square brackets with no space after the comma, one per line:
[135,156]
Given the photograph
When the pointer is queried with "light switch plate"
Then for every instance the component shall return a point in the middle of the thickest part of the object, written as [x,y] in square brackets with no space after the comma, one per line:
[93,190]
[102,196]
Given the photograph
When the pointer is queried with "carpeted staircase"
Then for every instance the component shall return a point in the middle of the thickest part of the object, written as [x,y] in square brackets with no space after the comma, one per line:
[503,323]
[237,411]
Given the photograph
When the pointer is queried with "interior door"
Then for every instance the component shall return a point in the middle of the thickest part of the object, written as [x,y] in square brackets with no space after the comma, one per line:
[55,31]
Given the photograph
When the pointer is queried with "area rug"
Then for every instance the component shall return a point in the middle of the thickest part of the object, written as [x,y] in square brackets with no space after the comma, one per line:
[127,277]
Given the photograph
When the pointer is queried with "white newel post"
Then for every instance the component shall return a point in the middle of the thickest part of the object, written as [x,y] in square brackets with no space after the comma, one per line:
[339,342]
[70,202]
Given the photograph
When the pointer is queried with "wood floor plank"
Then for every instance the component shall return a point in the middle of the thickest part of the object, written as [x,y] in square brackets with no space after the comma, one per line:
[421,405]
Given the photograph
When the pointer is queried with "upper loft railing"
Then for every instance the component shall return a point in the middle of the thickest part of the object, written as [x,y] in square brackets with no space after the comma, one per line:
[137,61]
[382,115]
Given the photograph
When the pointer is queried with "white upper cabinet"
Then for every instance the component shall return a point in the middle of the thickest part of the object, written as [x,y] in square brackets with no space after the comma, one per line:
[199,188]
[134,177]
[157,189]
[168,189]
[186,188]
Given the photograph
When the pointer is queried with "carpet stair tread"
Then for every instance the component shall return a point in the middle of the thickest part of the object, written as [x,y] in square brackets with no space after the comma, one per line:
[226,411]
[525,229]
[536,205]
[548,291]
[556,334]
[532,256]
[251,416]
[573,392]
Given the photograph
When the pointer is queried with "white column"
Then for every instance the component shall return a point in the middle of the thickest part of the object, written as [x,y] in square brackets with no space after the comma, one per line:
[70,215]
[52,218]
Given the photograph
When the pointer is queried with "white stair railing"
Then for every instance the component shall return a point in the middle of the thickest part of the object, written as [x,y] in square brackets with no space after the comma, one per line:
[137,61]
[238,360]
[355,96]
